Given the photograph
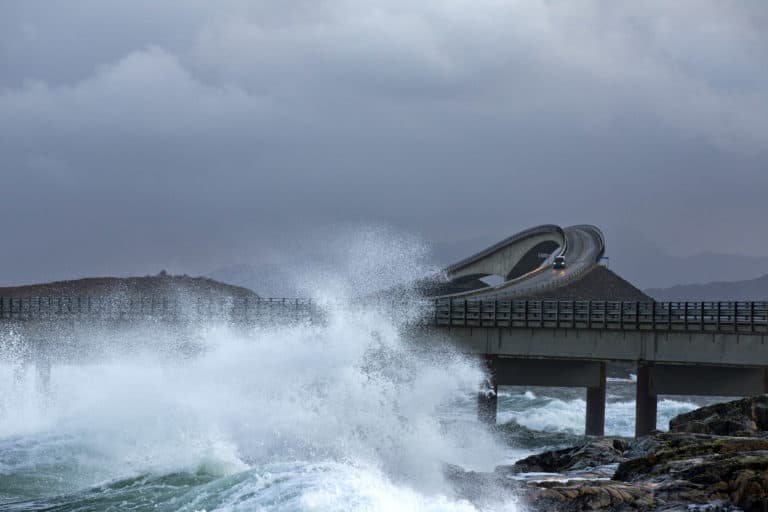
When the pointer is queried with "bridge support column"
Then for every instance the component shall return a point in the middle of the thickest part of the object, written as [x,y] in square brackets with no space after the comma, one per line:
[645,402]
[595,425]
[487,397]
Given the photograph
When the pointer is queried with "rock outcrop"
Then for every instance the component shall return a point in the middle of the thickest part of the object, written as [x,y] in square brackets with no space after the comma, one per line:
[714,459]
[747,417]
[587,455]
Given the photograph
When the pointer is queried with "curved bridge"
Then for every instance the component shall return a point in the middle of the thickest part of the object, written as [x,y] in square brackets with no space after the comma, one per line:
[518,261]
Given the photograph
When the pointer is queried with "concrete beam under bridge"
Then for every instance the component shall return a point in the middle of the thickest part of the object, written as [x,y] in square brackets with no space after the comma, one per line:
[508,371]
[707,348]
[703,380]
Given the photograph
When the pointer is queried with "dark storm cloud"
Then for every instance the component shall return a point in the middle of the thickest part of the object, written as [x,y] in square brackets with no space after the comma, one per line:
[138,135]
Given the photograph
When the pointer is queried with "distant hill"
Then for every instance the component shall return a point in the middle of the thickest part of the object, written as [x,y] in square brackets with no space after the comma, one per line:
[160,285]
[600,283]
[748,290]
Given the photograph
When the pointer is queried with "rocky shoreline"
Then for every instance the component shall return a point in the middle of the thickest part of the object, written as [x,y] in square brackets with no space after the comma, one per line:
[713,459]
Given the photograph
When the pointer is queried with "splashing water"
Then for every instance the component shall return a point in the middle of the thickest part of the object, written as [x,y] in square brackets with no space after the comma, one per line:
[344,416]
[349,415]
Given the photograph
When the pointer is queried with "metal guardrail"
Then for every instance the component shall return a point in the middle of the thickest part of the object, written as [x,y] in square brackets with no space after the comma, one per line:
[105,309]
[725,317]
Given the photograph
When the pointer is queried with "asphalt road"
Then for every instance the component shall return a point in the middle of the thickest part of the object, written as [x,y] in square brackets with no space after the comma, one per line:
[584,248]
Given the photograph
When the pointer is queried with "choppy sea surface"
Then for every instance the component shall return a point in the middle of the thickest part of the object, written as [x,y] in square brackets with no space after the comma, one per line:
[348,416]
[342,417]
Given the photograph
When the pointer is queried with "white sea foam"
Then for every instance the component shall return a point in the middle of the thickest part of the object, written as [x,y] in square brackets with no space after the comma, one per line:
[350,396]
[561,415]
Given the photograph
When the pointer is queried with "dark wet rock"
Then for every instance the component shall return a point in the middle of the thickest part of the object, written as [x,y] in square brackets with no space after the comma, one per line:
[587,455]
[747,417]
[589,495]
[694,468]
[699,468]
[520,436]
[661,453]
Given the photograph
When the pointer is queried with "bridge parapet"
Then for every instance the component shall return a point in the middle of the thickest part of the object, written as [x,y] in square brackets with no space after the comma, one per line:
[720,317]
[717,317]
[154,308]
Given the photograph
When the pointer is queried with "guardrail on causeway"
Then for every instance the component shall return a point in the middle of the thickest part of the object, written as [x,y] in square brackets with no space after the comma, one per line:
[741,317]
[605,315]
[39,309]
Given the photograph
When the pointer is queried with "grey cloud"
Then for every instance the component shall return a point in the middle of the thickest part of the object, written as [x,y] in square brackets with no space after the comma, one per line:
[139,133]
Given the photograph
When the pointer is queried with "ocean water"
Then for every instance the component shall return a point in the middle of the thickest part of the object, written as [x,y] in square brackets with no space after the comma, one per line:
[341,417]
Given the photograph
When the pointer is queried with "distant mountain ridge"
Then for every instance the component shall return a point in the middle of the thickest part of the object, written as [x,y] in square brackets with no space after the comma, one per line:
[747,290]
[642,262]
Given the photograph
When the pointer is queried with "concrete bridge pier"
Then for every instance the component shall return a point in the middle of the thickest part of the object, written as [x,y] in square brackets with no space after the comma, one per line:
[645,401]
[595,424]
[512,371]
[654,379]
[487,397]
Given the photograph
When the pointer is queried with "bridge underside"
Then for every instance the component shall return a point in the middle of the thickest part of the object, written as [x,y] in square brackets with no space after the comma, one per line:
[671,363]
[652,380]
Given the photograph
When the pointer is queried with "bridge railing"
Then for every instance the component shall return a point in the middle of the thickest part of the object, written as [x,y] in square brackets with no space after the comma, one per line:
[741,317]
[747,317]
[162,309]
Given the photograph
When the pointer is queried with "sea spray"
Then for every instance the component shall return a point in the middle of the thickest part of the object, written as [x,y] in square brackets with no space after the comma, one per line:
[339,416]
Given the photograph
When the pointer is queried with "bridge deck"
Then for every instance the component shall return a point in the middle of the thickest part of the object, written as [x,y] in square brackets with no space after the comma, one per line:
[679,347]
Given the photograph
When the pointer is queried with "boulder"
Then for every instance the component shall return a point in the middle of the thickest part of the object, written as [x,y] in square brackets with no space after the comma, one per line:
[586,455]
[714,459]
[581,495]
[665,453]
[747,417]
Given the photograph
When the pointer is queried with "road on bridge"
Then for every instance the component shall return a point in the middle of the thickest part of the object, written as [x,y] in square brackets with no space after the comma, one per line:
[584,247]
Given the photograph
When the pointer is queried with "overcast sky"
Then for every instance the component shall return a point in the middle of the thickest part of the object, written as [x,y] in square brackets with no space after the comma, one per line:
[137,135]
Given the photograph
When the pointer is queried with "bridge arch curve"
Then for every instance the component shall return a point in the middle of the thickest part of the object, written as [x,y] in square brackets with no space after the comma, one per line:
[512,256]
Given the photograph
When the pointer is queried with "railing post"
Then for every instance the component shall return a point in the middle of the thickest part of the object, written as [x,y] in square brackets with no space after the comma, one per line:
[480,312]
[621,315]
[637,316]
[669,316]
[685,315]
[752,316]
[717,324]
[573,314]
[701,315]
[525,313]
[605,315]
